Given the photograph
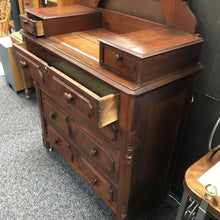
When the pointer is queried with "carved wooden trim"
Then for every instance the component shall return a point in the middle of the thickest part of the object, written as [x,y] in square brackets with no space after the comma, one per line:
[178,15]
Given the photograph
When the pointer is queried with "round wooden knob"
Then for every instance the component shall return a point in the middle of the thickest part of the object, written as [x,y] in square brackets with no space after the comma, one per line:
[52,115]
[211,191]
[23,64]
[93,152]
[68,97]
[25,22]
[94,181]
[56,141]
[118,57]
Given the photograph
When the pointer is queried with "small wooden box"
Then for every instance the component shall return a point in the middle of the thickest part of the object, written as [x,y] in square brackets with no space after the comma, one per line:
[145,55]
[60,20]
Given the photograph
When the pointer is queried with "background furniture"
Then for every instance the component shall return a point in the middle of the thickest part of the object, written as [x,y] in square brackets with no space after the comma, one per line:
[195,190]
[13,74]
[5,13]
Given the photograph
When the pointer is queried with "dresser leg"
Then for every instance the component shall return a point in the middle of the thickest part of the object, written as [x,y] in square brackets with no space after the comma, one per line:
[46,143]
[25,85]
[27,93]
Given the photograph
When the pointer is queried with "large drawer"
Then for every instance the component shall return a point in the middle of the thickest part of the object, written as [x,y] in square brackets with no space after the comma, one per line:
[56,117]
[59,143]
[98,152]
[71,87]
[104,188]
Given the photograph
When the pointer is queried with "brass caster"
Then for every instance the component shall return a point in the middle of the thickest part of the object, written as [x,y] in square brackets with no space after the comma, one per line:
[50,149]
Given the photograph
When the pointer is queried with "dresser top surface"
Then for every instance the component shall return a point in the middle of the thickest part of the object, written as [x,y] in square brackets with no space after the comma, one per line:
[66,52]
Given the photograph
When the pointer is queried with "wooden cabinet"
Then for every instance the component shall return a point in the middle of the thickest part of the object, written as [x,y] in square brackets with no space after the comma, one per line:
[113,94]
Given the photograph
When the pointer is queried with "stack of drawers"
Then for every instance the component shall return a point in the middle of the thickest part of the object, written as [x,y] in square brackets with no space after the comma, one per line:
[71,115]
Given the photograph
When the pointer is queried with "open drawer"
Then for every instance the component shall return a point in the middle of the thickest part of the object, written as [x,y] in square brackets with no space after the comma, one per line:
[34,27]
[69,86]
[60,20]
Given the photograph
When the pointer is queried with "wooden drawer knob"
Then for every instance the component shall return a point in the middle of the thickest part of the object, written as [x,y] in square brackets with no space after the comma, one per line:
[52,115]
[68,97]
[56,141]
[23,64]
[118,57]
[93,152]
[94,181]
[25,22]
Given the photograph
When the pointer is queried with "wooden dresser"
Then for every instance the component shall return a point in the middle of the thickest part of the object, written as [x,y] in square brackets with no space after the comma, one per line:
[114,82]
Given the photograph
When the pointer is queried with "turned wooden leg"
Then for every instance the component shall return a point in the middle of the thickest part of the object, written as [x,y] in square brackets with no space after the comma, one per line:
[26,90]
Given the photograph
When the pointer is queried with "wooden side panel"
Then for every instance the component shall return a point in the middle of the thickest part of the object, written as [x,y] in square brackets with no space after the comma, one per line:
[168,62]
[71,24]
[174,13]
[108,109]
[90,3]
[178,15]
[110,21]
[147,9]
[159,127]
[67,2]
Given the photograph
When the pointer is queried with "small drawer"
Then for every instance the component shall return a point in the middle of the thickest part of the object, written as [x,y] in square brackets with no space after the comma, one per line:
[123,63]
[60,144]
[32,26]
[96,180]
[55,116]
[73,88]
[102,156]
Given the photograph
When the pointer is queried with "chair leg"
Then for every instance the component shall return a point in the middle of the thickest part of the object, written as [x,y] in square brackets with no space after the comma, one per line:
[182,206]
[201,214]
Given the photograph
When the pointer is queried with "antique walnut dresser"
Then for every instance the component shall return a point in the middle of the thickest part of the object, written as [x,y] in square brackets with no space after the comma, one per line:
[114,82]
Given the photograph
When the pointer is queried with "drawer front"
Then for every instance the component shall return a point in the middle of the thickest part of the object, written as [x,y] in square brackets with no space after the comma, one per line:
[32,68]
[56,117]
[31,26]
[70,97]
[73,97]
[96,152]
[120,61]
[98,182]
[60,144]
